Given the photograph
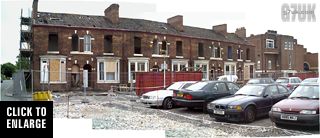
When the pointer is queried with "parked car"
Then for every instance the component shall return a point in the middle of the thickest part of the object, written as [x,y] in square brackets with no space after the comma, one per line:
[260,81]
[164,97]
[201,93]
[250,102]
[290,82]
[308,80]
[301,108]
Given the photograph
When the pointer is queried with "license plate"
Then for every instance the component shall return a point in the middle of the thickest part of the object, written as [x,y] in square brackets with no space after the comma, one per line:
[288,117]
[180,94]
[219,112]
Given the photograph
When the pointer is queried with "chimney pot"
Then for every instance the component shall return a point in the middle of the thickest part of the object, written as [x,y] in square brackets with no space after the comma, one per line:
[241,32]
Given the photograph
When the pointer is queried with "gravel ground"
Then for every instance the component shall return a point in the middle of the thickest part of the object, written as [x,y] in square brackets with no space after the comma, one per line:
[122,112]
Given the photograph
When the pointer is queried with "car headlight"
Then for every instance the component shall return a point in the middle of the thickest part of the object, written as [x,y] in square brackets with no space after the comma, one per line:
[210,106]
[235,107]
[276,109]
[309,112]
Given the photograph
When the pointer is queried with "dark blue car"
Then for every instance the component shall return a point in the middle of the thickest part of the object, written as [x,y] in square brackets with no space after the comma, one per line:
[250,102]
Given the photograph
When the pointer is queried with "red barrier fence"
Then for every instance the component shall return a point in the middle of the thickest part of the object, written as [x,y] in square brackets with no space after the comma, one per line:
[149,81]
[303,76]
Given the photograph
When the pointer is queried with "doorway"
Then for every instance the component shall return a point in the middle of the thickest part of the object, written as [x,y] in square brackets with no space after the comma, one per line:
[88,67]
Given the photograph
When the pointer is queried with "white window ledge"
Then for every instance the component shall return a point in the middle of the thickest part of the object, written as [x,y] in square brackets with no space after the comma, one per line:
[138,55]
[248,60]
[53,52]
[201,58]
[240,60]
[156,55]
[108,54]
[213,58]
[53,82]
[179,56]
[116,81]
[81,53]
[230,59]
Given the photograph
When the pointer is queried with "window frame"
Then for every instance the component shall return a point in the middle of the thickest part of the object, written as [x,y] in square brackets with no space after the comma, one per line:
[270,41]
[116,73]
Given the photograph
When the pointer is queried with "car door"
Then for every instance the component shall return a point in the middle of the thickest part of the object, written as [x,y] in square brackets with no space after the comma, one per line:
[266,102]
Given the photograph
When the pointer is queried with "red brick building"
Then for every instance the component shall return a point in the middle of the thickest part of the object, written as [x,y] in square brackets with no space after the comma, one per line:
[112,48]
[280,55]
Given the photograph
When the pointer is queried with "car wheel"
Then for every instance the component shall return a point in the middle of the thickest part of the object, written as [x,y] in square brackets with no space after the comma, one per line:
[167,103]
[249,114]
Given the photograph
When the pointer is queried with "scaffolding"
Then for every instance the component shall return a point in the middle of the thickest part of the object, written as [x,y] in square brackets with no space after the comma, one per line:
[26,51]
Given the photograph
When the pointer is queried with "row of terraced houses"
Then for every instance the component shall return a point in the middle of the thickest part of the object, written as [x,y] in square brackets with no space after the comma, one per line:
[112,49]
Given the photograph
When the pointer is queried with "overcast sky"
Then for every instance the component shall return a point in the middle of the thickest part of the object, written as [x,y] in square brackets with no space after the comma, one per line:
[256,16]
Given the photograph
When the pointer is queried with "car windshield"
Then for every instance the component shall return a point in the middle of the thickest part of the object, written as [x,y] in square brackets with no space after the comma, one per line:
[252,90]
[197,86]
[306,92]
[174,86]
[282,80]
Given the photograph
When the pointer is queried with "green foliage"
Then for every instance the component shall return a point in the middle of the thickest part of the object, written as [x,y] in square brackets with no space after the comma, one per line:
[7,70]
[24,62]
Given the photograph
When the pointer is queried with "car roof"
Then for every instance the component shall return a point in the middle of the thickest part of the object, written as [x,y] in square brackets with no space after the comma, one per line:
[310,84]
[263,84]
[186,82]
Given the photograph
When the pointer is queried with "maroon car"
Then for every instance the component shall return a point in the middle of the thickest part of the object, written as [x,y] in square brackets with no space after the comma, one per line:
[301,108]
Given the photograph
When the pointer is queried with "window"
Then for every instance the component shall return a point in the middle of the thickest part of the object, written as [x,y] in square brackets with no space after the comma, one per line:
[101,70]
[155,47]
[108,70]
[230,69]
[290,61]
[220,88]
[239,53]
[53,42]
[179,48]
[269,64]
[216,52]
[269,43]
[286,45]
[282,89]
[108,48]
[164,49]
[232,87]
[229,52]
[248,54]
[271,90]
[179,65]
[53,70]
[136,66]
[75,42]
[204,69]
[87,43]
[200,50]
[137,45]
[258,64]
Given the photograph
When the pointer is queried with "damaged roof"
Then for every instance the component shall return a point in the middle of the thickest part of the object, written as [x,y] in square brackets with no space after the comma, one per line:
[129,24]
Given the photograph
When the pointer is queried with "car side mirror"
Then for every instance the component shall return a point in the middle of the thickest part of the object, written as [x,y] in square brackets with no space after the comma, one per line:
[266,95]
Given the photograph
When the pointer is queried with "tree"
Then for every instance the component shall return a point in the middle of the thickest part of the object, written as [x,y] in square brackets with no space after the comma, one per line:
[7,70]
[23,61]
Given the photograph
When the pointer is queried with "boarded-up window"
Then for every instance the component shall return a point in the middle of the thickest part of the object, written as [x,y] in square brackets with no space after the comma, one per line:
[108,48]
[63,71]
[53,42]
[110,70]
[179,48]
[155,47]
[54,66]
[75,42]
[137,45]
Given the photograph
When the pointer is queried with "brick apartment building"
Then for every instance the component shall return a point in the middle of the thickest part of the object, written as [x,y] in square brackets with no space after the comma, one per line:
[112,48]
[281,55]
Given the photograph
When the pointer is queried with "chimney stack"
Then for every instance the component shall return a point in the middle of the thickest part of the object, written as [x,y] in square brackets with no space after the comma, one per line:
[222,29]
[241,32]
[34,9]
[112,13]
[176,22]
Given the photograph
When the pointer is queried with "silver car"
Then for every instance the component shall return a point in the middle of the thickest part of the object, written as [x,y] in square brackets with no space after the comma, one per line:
[290,82]
[164,97]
